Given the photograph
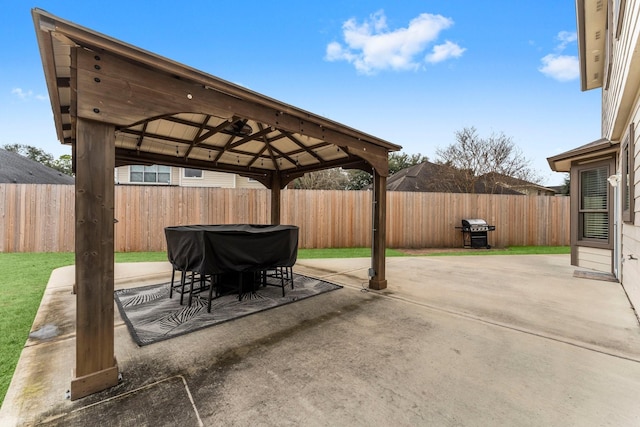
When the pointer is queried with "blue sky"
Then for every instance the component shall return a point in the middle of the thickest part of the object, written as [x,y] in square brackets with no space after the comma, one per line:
[410,72]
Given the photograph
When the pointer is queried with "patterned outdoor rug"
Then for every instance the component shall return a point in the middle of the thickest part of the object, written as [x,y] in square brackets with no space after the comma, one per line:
[152,316]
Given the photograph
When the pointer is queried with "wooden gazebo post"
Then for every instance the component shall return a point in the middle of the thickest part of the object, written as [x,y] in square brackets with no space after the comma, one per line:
[378,280]
[96,367]
[275,199]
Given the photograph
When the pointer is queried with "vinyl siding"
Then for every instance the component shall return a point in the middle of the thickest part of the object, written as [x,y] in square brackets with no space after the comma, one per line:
[244,182]
[594,259]
[620,108]
[122,175]
[209,179]
[630,251]
[630,266]
[621,95]
[175,176]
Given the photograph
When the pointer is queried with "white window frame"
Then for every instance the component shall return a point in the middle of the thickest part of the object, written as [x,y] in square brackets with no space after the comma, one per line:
[184,173]
[147,171]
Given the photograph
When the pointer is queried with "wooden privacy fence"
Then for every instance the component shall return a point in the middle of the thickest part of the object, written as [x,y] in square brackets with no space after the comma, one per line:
[40,218]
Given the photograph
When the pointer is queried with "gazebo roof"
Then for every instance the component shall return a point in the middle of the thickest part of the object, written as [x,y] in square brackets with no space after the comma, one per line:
[168,113]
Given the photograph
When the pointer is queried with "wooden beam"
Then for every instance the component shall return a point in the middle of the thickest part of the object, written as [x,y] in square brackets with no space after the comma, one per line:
[377,160]
[194,143]
[119,92]
[258,155]
[378,279]
[252,137]
[104,79]
[93,42]
[302,147]
[133,157]
[275,199]
[96,368]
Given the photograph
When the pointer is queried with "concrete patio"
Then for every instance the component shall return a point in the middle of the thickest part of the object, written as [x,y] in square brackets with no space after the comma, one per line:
[475,340]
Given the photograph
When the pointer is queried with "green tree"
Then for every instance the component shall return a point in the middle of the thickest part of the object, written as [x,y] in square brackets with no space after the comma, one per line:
[358,179]
[33,153]
[400,160]
[62,164]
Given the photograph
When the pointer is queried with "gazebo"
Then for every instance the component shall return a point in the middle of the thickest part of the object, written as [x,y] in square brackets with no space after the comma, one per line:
[116,104]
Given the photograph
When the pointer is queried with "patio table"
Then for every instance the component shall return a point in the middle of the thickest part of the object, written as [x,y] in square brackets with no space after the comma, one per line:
[225,249]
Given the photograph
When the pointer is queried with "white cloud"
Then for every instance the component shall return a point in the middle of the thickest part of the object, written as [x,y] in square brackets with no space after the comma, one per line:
[372,46]
[565,38]
[560,67]
[444,51]
[21,93]
[25,95]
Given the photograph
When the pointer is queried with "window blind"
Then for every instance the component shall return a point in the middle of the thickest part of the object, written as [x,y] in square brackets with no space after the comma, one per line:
[594,203]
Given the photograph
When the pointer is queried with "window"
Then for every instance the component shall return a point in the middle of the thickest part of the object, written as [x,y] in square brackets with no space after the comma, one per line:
[627,178]
[154,174]
[593,209]
[192,173]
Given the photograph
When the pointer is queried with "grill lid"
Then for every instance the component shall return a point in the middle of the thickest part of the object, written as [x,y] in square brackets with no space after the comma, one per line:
[476,222]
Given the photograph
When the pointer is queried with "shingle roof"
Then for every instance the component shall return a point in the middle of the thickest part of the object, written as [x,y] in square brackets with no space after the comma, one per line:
[17,169]
[425,176]
[513,183]
[436,178]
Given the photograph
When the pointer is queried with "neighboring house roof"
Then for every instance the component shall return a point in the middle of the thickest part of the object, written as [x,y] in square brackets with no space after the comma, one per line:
[516,184]
[17,169]
[425,176]
[559,189]
[484,187]
[437,178]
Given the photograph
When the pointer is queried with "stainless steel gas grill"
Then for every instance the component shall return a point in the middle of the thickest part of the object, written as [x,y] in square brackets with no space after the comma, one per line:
[475,233]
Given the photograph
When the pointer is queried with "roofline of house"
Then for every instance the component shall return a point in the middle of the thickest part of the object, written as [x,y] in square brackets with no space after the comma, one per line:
[562,162]
[591,24]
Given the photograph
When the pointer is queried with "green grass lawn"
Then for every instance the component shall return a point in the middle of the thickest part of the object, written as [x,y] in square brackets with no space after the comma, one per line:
[24,276]
[513,250]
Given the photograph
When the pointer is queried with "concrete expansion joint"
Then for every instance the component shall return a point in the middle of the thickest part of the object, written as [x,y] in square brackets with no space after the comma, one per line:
[122,395]
[550,337]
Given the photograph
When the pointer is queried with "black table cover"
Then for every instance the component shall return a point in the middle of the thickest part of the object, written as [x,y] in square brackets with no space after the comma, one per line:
[217,249]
